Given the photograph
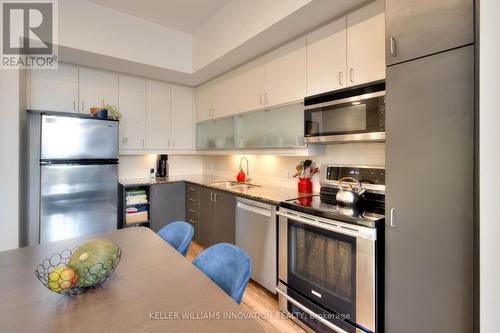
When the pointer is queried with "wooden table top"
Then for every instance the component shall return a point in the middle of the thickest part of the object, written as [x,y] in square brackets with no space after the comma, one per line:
[152,288]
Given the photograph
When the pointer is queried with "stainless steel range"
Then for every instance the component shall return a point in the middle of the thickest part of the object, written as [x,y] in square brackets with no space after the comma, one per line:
[331,253]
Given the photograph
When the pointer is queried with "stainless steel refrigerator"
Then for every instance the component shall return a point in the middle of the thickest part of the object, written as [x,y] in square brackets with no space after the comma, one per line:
[73,182]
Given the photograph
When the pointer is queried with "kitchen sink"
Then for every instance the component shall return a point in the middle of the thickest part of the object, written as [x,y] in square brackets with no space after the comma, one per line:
[228,184]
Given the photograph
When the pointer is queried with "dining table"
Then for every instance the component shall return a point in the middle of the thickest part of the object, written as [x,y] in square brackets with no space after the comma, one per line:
[153,289]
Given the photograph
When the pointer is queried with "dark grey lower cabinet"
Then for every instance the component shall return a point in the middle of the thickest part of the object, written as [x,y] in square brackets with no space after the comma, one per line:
[217,217]
[429,186]
[167,204]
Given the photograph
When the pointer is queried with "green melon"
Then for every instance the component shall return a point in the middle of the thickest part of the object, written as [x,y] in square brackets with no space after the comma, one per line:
[93,260]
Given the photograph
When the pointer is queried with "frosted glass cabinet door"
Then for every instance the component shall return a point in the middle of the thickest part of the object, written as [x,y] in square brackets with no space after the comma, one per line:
[281,127]
[215,134]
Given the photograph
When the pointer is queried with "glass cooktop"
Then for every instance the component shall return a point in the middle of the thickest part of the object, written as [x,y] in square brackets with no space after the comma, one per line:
[369,213]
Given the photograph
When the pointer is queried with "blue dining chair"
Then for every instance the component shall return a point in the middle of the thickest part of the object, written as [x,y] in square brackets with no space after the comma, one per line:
[178,234]
[228,266]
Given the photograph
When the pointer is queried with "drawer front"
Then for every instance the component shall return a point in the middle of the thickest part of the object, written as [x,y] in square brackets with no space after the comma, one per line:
[192,204]
[192,217]
[192,191]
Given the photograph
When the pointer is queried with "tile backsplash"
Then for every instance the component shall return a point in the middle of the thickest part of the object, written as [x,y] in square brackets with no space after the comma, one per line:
[137,166]
[278,170]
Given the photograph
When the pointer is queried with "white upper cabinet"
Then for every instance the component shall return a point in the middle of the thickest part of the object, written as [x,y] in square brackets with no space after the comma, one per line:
[132,106]
[205,101]
[326,58]
[285,73]
[250,85]
[366,44]
[97,88]
[182,133]
[53,90]
[158,115]
[224,96]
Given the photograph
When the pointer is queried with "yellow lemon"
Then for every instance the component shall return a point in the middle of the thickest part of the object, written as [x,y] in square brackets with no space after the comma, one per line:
[62,278]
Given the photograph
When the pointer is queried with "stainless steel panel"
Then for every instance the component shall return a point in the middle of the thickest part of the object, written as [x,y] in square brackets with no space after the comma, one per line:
[416,28]
[256,234]
[361,137]
[429,170]
[365,283]
[74,138]
[283,248]
[365,258]
[77,200]
[345,100]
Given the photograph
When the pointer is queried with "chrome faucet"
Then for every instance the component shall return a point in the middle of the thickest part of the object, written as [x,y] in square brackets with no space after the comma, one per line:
[247,174]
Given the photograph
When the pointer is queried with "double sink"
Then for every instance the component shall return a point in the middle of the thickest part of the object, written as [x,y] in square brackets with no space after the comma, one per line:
[232,185]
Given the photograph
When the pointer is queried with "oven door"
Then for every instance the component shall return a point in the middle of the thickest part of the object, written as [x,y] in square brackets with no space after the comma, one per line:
[337,118]
[330,263]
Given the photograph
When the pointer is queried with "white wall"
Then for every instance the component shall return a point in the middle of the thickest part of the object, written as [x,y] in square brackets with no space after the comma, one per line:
[489,160]
[9,158]
[236,23]
[278,170]
[90,27]
[137,166]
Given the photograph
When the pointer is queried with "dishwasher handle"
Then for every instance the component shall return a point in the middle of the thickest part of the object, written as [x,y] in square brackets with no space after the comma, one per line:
[254,209]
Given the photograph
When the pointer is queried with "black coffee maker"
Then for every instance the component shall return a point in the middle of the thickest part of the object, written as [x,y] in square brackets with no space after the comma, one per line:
[161,166]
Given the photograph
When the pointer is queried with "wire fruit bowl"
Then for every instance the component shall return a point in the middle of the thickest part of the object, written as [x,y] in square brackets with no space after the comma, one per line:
[55,274]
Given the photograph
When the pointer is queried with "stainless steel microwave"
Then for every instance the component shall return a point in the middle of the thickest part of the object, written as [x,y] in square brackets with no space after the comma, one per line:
[354,114]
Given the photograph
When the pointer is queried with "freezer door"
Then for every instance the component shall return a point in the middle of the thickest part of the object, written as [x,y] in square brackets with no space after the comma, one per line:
[77,200]
[74,138]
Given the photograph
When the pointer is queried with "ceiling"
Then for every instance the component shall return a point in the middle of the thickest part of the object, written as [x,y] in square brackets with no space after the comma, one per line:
[181,15]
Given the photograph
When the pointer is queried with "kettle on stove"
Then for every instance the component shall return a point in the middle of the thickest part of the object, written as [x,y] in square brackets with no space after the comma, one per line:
[347,195]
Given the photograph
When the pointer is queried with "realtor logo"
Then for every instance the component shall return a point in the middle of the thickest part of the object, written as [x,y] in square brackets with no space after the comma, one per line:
[29,34]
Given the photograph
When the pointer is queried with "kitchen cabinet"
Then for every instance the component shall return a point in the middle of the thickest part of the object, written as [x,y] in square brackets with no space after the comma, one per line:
[215,134]
[193,208]
[217,217]
[204,95]
[182,125]
[326,58]
[53,90]
[267,128]
[285,74]
[132,106]
[97,88]
[430,161]
[158,114]
[224,98]
[167,204]
[250,86]
[419,28]
[365,44]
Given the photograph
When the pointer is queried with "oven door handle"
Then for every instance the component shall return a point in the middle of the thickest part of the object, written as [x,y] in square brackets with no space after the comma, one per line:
[370,235]
[309,312]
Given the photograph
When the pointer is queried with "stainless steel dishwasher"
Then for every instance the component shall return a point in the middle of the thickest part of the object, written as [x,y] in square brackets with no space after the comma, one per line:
[256,234]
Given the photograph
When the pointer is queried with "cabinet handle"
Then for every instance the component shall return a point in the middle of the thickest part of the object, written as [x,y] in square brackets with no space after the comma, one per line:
[192,221]
[340,78]
[351,74]
[192,200]
[173,143]
[393,46]
[215,197]
[192,210]
[143,143]
[74,105]
[192,189]
[260,99]
[103,102]
[265,98]
[168,142]
[212,196]
[83,107]
[392,220]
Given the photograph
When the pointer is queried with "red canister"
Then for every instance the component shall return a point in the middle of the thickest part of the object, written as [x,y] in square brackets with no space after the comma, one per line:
[305,185]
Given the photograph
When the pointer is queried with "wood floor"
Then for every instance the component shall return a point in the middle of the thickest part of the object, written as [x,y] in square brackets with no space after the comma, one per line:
[258,300]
